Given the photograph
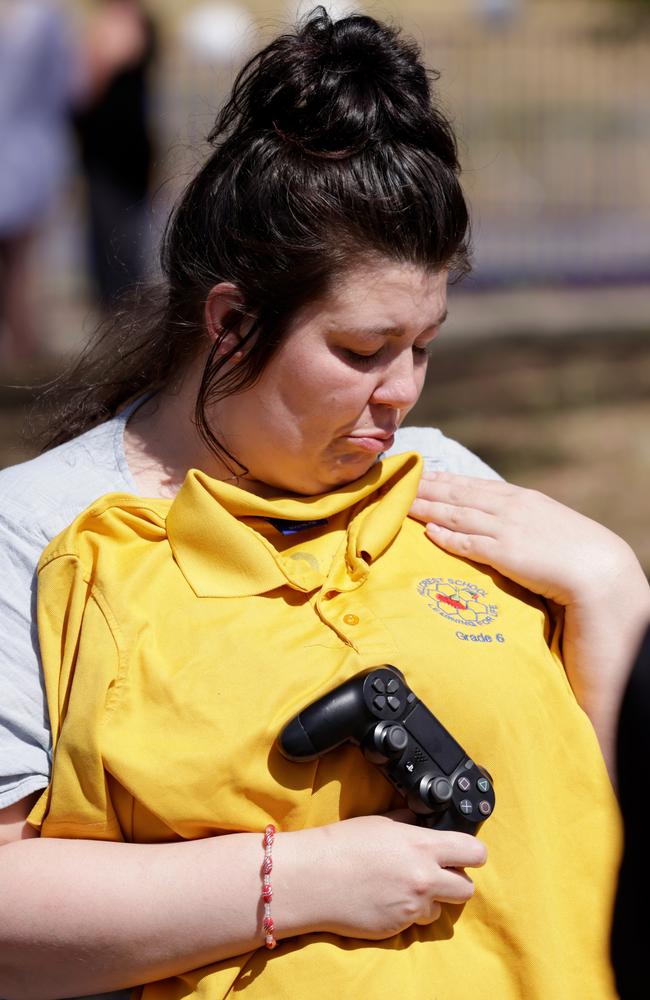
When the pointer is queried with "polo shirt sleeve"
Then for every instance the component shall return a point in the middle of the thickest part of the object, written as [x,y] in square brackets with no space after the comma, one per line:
[24,727]
[81,667]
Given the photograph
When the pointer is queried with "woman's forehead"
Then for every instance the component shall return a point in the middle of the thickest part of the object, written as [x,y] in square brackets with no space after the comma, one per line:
[385,298]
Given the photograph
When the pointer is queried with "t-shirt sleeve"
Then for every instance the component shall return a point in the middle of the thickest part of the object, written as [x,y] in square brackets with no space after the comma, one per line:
[456,458]
[25,745]
[440,453]
[38,500]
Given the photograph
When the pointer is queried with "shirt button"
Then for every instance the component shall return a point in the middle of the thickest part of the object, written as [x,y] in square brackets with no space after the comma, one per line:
[351,619]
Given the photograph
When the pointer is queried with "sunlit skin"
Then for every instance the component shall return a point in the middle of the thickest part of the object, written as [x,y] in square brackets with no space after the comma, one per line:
[348,371]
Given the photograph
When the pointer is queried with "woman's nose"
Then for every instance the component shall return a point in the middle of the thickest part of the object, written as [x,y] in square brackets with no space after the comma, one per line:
[400,383]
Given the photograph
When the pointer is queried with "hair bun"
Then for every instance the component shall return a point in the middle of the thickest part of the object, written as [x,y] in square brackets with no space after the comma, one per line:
[335,86]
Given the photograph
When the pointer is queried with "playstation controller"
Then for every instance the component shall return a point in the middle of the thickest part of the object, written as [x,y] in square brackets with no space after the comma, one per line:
[378,712]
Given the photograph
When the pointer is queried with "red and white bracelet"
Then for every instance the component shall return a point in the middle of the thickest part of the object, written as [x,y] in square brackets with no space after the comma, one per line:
[267,891]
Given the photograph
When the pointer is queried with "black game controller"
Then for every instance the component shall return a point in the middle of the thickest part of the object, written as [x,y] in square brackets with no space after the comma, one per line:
[378,712]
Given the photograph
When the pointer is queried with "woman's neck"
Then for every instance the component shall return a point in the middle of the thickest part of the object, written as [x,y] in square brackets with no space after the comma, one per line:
[161,441]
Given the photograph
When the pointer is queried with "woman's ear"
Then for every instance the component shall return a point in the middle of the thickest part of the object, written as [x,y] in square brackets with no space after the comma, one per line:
[224,300]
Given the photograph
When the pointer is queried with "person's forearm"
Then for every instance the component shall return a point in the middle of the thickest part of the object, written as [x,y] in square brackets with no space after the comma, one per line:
[601,637]
[80,917]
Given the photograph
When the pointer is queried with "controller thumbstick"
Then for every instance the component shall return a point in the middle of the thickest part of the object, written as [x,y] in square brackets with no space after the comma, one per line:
[394,740]
[386,740]
[439,790]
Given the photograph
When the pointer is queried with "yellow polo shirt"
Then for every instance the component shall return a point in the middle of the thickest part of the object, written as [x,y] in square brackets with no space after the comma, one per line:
[179,637]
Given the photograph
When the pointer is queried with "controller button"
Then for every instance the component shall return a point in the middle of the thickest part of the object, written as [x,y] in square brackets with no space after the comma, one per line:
[468,764]
[379,702]
[393,702]
[378,684]
[483,785]
[351,619]
[392,686]
[484,808]
[464,784]
[465,806]
[440,789]
[396,739]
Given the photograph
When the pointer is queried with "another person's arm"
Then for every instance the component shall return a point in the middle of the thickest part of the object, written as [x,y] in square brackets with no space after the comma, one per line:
[565,557]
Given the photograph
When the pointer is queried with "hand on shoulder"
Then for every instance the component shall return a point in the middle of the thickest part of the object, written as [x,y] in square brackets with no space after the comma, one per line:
[534,540]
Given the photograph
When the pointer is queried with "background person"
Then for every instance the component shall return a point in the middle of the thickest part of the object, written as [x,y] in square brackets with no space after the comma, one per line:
[116,145]
[47,73]
[38,80]
[633,753]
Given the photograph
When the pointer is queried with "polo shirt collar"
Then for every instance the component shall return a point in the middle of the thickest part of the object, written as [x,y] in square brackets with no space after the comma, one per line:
[221,556]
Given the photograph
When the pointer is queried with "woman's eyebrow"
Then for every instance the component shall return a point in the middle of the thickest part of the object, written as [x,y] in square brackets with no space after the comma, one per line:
[395,331]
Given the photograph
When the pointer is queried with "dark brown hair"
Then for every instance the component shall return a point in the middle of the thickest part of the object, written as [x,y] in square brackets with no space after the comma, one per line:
[329,152]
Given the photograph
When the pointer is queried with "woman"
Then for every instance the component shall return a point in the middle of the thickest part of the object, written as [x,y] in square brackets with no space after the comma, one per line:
[308,262]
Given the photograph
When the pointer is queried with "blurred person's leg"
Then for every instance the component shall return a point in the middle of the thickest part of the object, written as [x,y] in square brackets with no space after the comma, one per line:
[19,339]
[117,243]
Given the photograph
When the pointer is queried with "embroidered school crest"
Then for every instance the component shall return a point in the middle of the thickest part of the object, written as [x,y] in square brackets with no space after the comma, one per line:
[459,601]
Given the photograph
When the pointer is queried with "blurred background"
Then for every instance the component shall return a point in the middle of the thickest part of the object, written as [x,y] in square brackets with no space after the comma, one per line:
[544,366]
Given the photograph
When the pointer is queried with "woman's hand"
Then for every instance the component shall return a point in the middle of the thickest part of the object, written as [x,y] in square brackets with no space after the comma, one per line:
[562,555]
[379,874]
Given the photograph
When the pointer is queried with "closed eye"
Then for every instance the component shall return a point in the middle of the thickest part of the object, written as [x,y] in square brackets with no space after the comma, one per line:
[420,353]
[361,359]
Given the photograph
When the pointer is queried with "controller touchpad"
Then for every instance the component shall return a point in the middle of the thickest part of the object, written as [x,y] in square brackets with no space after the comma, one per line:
[434,738]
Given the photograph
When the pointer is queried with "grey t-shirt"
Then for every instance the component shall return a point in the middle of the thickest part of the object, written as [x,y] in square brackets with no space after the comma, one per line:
[40,498]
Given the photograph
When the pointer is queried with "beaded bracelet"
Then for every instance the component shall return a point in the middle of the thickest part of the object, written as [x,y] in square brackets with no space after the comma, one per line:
[267,891]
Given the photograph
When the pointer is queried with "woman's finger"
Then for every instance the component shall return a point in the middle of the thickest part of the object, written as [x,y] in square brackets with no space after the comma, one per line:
[478,548]
[432,914]
[459,850]
[460,519]
[488,495]
[454,887]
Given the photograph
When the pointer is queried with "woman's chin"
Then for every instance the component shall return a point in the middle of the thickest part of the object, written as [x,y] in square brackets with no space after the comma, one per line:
[349,469]
[331,475]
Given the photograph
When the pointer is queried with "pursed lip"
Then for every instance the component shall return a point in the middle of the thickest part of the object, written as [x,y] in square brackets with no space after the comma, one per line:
[373,440]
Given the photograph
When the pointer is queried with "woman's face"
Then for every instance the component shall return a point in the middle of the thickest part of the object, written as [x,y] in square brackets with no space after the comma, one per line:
[349,369]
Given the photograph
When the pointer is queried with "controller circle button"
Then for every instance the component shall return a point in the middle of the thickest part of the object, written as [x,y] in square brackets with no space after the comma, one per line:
[351,619]
[484,808]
